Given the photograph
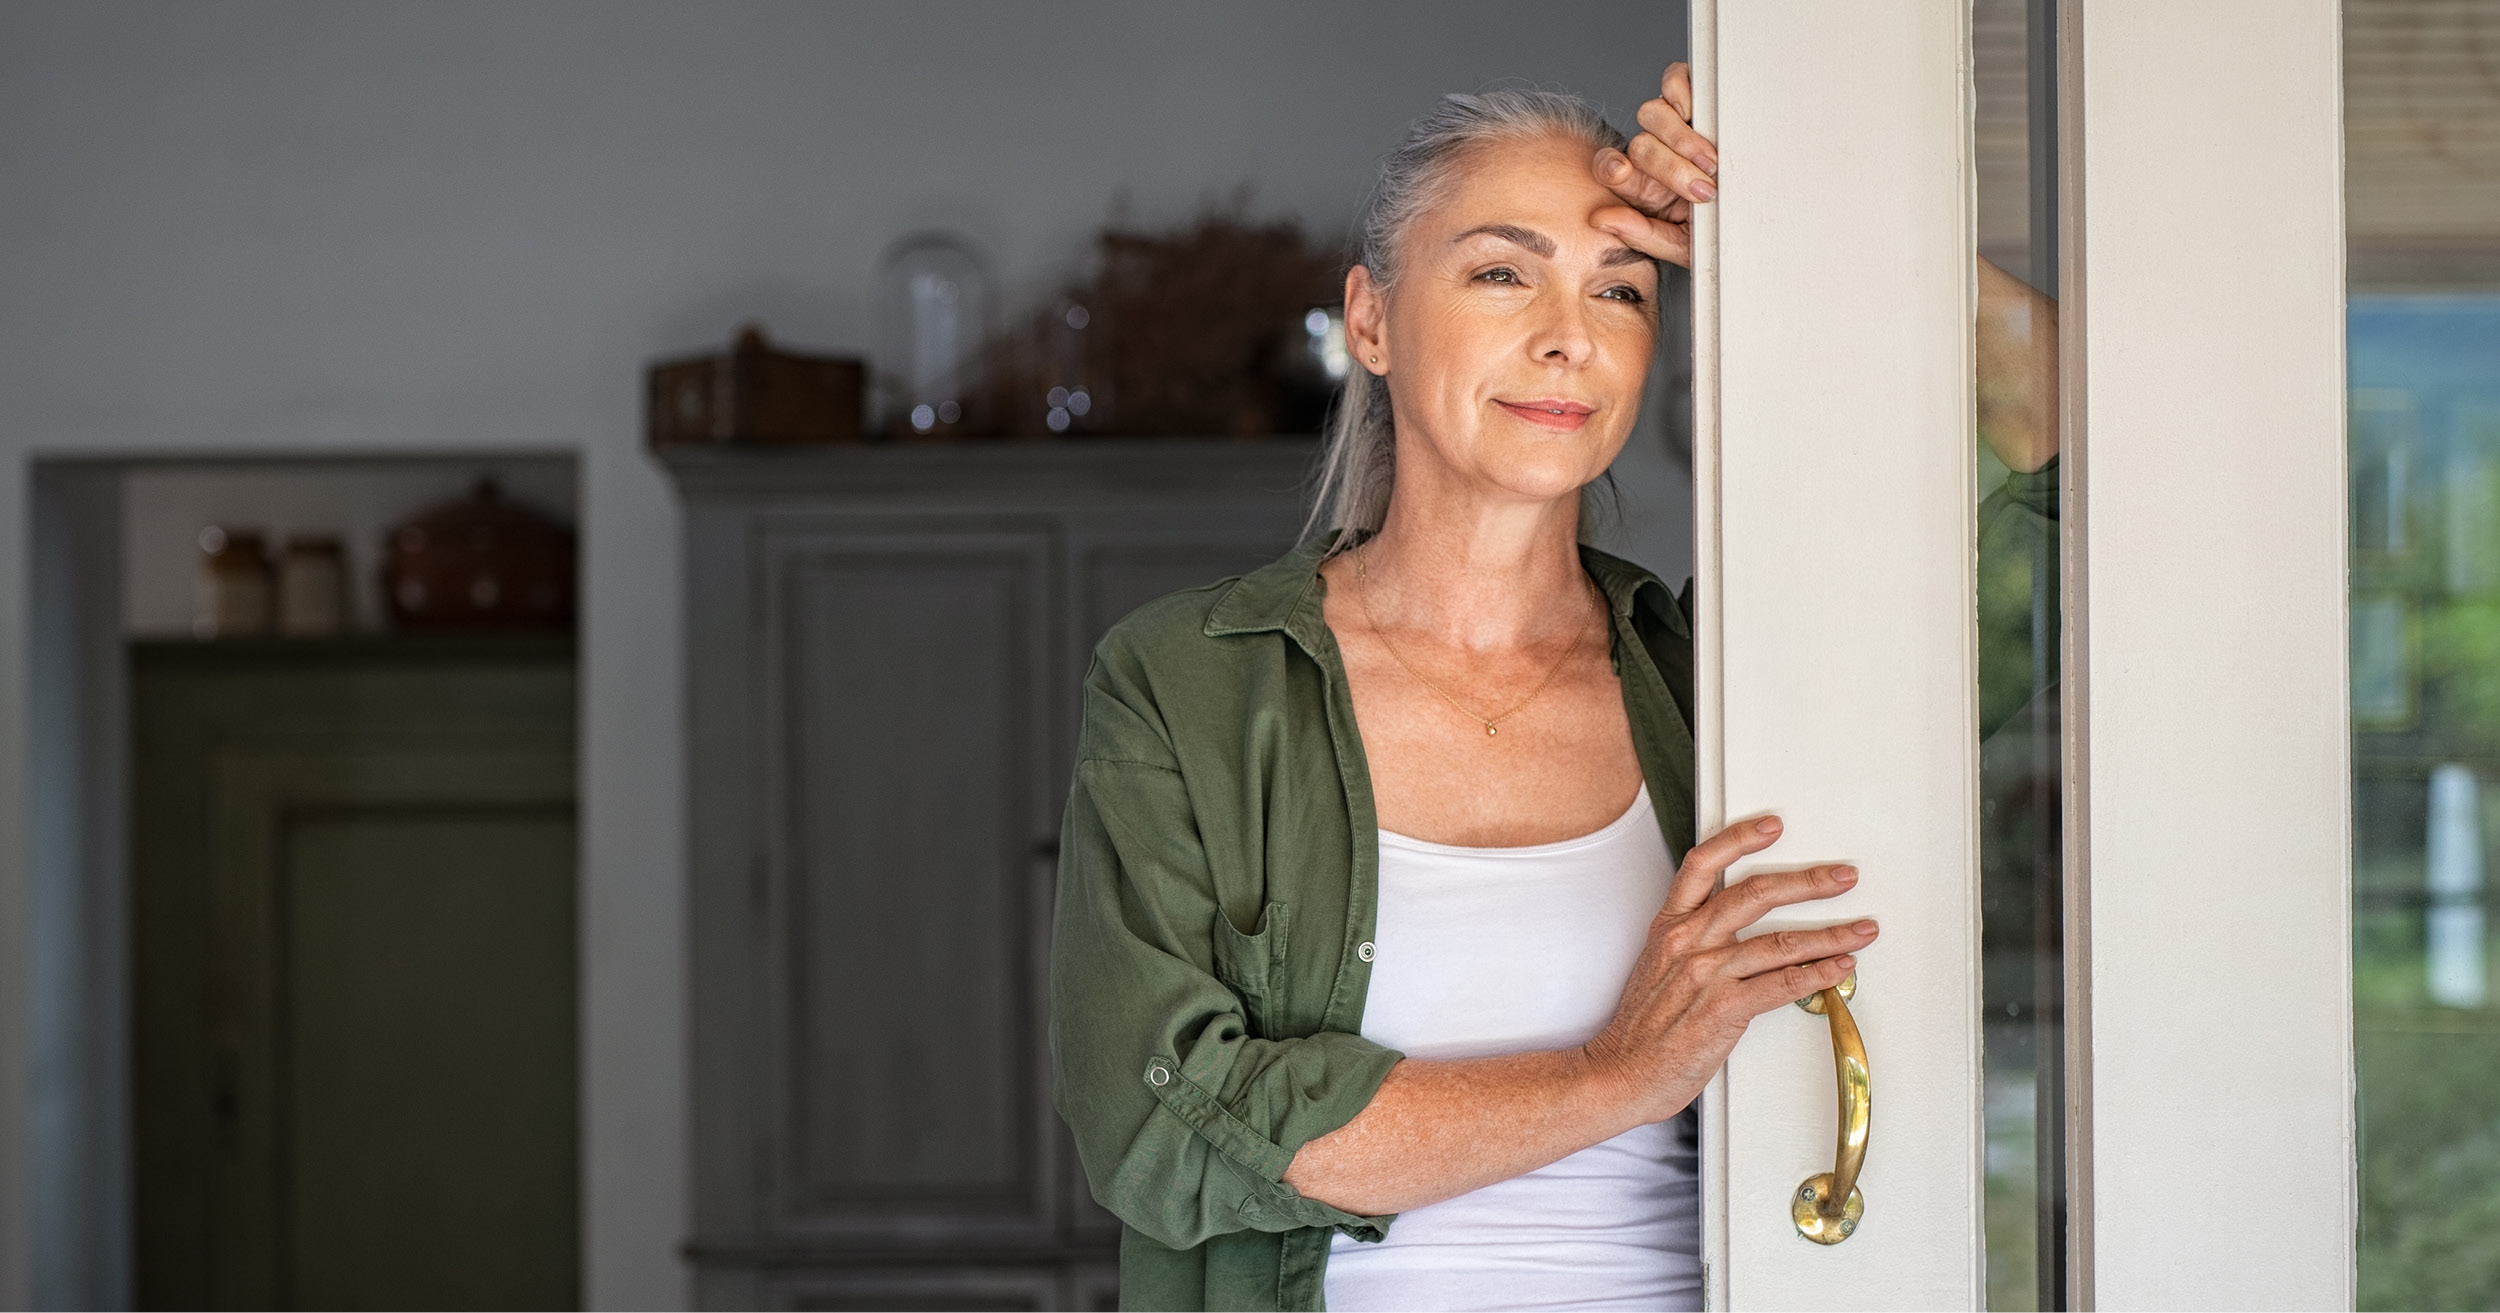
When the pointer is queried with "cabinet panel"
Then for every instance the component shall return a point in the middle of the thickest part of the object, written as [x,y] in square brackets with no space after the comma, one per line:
[907,669]
[1117,575]
[1116,570]
[958,1289]
[886,644]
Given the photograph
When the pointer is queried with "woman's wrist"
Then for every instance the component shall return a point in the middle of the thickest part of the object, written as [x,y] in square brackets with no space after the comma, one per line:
[1607,1089]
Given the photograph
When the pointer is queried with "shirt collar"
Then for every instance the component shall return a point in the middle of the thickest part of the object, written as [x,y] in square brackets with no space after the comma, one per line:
[1274,596]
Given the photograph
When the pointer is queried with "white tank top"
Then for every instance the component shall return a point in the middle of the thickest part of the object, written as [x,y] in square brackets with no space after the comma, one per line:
[1485,951]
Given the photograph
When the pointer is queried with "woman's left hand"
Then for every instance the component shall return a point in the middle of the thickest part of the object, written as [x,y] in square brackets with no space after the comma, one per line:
[1661,174]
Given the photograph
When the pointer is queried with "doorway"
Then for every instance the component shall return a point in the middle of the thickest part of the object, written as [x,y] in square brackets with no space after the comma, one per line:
[326,873]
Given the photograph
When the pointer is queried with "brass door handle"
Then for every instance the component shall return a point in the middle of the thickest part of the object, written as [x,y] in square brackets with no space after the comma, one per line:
[1827,1206]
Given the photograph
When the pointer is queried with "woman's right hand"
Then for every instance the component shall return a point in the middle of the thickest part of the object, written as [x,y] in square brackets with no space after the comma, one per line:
[1660,175]
[1697,984]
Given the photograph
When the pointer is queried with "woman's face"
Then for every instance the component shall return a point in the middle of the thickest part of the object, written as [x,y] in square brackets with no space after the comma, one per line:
[1517,338]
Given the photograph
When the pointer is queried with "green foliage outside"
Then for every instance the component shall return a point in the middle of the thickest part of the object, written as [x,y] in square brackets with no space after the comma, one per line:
[2430,1168]
[2424,530]
[2428,1076]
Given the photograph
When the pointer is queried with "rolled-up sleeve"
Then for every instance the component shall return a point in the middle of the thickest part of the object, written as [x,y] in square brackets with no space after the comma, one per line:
[1184,1119]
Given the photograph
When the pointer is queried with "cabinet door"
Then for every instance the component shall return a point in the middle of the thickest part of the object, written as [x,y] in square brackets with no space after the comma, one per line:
[1118,570]
[885,697]
[1080,1286]
[901,677]
[1002,1288]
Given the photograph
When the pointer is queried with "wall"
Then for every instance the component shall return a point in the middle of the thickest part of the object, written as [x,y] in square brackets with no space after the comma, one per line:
[323,229]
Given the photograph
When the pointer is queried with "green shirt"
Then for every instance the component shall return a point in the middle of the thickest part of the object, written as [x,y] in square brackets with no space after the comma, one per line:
[1213,937]
[1212,944]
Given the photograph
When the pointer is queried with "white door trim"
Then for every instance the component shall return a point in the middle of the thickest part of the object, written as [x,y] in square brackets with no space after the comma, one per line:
[1836,668]
[2208,813]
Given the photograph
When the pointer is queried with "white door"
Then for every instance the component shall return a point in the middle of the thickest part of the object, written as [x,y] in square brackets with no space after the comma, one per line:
[2188,1043]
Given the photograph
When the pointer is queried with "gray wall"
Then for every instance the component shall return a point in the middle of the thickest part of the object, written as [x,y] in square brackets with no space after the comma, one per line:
[264,228]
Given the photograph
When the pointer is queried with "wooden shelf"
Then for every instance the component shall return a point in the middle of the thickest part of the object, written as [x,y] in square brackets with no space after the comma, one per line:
[1013,467]
[444,648]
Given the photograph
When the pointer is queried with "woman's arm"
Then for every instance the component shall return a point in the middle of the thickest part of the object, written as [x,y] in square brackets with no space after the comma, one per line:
[1438,1129]
[1191,1125]
[1185,1119]
[2017,370]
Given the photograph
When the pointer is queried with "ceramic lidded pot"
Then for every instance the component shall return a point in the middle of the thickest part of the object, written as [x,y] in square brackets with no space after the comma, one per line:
[479,563]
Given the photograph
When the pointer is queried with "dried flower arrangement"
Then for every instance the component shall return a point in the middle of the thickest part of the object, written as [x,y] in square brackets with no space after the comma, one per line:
[1202,330]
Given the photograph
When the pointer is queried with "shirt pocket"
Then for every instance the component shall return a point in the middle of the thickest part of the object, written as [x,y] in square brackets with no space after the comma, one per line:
[1253,965]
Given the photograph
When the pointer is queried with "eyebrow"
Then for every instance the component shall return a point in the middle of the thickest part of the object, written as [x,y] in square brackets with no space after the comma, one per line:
[1537,243]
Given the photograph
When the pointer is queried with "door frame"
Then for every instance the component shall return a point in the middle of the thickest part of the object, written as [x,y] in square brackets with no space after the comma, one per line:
[2208,776]
[2207,744]
[1836,645]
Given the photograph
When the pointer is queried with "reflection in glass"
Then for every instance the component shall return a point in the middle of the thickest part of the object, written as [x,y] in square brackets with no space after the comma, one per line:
[2422,338]
[2425,424]
[2452,925]
[2022,897]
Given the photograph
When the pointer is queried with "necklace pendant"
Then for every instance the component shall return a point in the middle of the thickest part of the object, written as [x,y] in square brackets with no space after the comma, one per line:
[1489,731]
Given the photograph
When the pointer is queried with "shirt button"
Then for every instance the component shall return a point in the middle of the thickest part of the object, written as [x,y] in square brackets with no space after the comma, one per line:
[1365,952]
[1157,1075]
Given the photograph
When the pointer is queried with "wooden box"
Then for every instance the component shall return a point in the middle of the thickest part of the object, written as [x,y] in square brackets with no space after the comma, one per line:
[754,392]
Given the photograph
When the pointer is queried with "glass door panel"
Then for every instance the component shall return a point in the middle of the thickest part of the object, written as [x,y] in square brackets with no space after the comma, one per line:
[2426,794]
[2014,158]
[2422,145]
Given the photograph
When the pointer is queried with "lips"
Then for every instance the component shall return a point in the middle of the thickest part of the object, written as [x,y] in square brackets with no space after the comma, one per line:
[1552,413]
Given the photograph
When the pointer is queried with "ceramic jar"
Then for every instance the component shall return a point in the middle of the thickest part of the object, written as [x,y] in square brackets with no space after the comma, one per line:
[312,587]
[233,597]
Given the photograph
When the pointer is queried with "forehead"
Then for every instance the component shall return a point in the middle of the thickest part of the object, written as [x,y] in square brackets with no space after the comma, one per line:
[1541,182]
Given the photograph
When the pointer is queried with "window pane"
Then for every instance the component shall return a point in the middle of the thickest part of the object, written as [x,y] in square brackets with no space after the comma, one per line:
[2422,143]
[2425,371]
[2022,903]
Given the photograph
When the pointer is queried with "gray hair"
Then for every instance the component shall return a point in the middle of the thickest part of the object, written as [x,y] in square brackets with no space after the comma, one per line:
[1359,465]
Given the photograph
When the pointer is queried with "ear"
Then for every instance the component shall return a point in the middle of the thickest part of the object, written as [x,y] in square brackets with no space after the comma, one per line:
[1366,321]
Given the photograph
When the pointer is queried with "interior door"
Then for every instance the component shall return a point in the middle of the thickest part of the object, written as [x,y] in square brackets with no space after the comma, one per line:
[353,871]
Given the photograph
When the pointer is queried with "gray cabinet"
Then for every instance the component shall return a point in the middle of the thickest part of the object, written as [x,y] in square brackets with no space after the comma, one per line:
[885,649]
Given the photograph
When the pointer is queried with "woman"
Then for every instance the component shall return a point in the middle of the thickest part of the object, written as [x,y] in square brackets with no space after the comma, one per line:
[1378,898]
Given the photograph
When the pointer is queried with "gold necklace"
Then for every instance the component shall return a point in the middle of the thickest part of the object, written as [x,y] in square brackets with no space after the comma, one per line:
[1363,590]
